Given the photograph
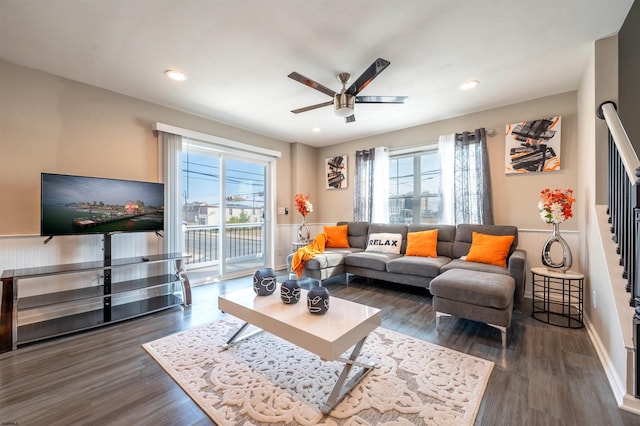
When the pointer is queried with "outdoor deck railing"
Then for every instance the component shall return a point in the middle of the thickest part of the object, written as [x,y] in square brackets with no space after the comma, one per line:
[243,240]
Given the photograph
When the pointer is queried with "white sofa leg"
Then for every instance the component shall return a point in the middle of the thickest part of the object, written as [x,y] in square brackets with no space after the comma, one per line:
[438,315]
[503,332]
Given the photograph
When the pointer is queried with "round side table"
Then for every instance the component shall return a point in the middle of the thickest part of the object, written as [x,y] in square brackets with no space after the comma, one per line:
[297,244]
[558,297]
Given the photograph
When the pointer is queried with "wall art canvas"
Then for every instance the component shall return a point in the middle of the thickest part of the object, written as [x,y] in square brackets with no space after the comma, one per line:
[336,172]
[533,146]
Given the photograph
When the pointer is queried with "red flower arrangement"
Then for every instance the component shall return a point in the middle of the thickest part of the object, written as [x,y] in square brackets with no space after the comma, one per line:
[555,206]
[303,205]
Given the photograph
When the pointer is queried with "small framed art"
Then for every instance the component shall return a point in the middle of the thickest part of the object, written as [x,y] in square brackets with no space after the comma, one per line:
[336,172]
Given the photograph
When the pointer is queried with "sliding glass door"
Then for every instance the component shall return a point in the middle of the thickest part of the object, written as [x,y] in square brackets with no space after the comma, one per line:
[223,212]
[244,231]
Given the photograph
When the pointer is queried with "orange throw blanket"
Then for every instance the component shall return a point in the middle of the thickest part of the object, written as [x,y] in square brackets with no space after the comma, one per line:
[307,252]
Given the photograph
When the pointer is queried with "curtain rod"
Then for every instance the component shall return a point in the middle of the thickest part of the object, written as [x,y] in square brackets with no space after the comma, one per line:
[488,132]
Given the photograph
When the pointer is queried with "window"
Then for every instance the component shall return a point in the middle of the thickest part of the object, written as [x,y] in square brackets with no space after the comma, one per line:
[219,168]
[227,190]
[415,194]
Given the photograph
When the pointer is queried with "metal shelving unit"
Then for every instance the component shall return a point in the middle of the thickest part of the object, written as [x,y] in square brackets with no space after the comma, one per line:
[61,312]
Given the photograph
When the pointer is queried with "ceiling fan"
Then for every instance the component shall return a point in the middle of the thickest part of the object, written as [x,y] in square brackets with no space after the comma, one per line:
[345,101]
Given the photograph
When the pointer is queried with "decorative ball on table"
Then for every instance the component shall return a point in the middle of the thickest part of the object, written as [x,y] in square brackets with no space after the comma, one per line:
[264,281]
[318,300]
[290,292]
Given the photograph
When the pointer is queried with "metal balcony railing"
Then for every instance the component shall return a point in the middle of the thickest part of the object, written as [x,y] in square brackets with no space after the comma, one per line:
[242,241]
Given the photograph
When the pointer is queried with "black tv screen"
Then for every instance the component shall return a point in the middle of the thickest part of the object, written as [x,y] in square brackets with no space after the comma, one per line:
[72,205]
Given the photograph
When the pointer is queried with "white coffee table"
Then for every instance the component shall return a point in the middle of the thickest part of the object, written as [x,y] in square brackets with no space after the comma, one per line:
[345,324]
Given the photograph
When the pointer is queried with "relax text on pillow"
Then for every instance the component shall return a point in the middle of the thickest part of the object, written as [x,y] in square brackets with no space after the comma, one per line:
[384,243]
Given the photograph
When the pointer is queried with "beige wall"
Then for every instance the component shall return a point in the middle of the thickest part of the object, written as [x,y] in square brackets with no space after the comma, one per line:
[303,172]
[515,196]
[49,124]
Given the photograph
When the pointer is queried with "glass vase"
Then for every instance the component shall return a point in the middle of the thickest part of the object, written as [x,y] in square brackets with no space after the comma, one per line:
[304,233]
[565,263]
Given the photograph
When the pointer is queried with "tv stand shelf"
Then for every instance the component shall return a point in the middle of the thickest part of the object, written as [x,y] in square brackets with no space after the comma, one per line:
[91,306]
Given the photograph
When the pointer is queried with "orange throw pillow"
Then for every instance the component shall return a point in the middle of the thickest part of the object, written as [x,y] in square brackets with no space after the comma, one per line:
[491,249]
[337,236]
[422,243]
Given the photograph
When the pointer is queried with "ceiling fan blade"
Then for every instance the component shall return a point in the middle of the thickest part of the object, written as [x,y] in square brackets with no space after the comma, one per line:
[381,99]
[310,107]
[313,84]
[350,119]
[368,75]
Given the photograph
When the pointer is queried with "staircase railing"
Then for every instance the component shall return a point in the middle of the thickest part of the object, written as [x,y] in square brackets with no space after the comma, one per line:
[624,196]
[624,213]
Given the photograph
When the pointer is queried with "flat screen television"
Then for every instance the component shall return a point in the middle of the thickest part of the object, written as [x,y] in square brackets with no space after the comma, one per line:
[72,205]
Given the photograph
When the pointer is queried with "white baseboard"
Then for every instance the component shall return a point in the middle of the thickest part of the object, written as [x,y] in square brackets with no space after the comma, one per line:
[625,400]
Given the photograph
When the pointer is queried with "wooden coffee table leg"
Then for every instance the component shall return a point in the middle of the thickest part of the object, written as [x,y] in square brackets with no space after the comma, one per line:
[341,388]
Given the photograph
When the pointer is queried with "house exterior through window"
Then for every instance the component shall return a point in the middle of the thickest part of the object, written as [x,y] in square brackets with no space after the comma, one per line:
[415,193]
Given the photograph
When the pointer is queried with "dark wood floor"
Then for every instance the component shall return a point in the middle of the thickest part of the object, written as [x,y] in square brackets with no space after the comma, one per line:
[546,376]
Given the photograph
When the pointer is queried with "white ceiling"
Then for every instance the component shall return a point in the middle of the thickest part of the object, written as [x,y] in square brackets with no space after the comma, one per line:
[237,54]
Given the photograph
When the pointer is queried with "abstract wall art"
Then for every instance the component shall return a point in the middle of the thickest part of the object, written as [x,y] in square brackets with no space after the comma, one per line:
[336,172]
[533,146]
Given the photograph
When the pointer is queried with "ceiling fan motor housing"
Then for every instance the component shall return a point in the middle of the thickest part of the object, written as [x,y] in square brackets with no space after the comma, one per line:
[343,104]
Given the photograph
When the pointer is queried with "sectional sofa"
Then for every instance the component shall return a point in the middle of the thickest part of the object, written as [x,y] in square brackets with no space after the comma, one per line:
[453,243]
[479,286]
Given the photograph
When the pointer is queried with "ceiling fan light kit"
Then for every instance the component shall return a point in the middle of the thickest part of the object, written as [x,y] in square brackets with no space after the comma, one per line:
[344,102]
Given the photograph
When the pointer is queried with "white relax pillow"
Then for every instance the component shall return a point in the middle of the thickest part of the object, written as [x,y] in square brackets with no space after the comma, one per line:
[384,243]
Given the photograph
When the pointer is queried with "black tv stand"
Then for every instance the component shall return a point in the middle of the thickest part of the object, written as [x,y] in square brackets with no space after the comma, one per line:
[94,305]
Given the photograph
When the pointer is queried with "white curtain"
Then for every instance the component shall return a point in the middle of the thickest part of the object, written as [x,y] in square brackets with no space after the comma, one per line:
[170,150]
[446,150]
[466,180]
[380,207]
[371,193]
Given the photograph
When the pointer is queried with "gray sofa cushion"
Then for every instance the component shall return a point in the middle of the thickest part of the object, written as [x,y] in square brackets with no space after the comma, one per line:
[446,237]
[464,235]
[475,288]
[357,233]
[474,266]
[370,260]
[417,265]
[331,257]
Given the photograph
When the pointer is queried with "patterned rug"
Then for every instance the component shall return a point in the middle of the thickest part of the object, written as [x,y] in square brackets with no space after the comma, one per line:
[266,380]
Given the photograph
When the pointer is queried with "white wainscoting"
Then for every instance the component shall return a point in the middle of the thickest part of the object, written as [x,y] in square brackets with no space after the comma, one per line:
[17,252]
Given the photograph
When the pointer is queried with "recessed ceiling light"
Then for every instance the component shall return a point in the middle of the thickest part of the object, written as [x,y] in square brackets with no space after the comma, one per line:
[175,75]
[316,130]
[469,84]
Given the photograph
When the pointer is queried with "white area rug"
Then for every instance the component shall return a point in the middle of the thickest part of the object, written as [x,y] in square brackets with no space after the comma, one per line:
[265,380]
